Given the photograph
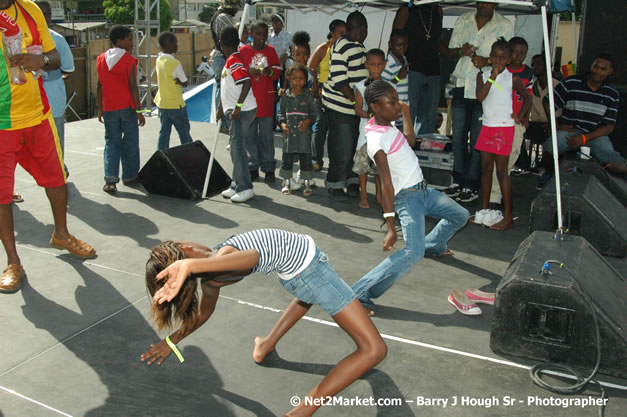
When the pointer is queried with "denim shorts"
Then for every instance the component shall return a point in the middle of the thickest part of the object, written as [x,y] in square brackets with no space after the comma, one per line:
[320,284]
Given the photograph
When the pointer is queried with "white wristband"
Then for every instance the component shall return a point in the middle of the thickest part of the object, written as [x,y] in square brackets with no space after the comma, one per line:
[386,215]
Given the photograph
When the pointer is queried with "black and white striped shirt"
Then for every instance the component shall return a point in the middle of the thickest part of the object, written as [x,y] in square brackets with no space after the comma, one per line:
[280,251]
[584,108]
[348,67]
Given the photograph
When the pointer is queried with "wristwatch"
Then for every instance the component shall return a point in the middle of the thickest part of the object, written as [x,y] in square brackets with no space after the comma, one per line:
[46,61]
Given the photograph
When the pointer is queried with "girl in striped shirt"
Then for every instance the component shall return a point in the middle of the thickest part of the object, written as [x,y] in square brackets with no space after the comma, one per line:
[171,278]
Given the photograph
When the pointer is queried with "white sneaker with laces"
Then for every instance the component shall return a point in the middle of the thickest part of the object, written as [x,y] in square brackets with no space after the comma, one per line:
[295,185]
[492,218]
[229,192]
[243,196]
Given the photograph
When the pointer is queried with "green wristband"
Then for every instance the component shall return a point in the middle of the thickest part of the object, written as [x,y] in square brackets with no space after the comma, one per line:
[491,81]
[176,351]
[460,51]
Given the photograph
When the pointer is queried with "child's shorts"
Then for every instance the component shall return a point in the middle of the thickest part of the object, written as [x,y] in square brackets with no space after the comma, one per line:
[497,140]
[320,284]
[362,163]
[37,149]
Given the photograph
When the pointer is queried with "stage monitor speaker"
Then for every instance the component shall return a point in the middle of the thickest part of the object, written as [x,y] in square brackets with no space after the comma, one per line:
[588,210]
[615,184]
[180,172]
[546,317]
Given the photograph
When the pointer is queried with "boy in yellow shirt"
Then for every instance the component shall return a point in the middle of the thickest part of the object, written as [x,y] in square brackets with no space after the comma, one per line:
[169,98]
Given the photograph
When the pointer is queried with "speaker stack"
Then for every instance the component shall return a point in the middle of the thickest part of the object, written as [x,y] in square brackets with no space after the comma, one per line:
[615,184]
[180,172]
[547,317]
[589,210]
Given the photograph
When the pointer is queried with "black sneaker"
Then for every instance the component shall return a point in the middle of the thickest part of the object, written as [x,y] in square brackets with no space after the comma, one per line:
[453,190]
[254,175]
[517,172]
[337,194]
[467,195]
[352,190]
[269,178]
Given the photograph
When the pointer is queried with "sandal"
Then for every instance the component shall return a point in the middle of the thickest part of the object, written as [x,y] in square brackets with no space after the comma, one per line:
[317,167]
[17,198]
[11,278]
[73,245]
[109,187]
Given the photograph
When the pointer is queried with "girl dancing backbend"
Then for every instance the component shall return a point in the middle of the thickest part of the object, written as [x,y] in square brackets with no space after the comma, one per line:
[174,268]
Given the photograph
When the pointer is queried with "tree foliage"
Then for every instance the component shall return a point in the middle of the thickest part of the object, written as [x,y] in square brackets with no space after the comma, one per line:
[122,12]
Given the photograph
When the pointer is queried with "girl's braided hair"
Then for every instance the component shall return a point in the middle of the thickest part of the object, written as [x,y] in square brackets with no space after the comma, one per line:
[184,307]
[376,90]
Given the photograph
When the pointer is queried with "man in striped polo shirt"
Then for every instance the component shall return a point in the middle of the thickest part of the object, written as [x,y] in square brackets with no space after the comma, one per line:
[590,106]
[348,67]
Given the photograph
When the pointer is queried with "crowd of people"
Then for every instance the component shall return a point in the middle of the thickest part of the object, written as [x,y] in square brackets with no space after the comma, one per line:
[365,105]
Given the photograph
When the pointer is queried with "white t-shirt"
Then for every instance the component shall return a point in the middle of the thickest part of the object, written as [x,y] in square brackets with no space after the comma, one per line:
[497,106]
[404,167]
[233,76]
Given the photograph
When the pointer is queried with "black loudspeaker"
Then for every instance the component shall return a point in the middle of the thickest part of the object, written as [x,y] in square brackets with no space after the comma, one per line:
[180,172]
[588,209]
[546,317]
[617,185]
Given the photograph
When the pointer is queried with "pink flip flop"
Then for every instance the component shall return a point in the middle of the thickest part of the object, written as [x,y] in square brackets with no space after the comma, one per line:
[462,304]
[480,297]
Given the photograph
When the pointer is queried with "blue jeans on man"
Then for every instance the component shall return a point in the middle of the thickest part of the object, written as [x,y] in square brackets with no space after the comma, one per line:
[320,130]
[217,63]
[412,204]
[341,144]
[424,97]
[180,120]
[121,144]
[241,129]
[260,145]
[601,148]
[466,161]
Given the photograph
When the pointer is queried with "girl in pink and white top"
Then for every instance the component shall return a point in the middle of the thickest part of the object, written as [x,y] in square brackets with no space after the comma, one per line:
[494,91]
[405,192]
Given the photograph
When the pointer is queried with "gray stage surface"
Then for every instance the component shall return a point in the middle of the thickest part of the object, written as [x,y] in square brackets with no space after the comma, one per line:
[73,335]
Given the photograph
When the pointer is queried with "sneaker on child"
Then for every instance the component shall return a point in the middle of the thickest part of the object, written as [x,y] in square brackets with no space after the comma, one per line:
[229,192]
[243,196]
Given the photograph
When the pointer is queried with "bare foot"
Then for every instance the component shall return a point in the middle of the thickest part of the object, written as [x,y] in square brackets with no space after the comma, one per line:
[363,203]
[261,349]
[447,252]
[298,412]
[504,224]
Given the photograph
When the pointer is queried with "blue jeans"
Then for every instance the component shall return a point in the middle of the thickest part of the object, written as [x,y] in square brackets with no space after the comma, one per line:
[341,144]
[260,145]
[240,130]
[287,165]
[178,118]
[601,148]
[424,97]
[467,162]
[319,284]
[412,205]
[217,65]
[121,143]
[319,133]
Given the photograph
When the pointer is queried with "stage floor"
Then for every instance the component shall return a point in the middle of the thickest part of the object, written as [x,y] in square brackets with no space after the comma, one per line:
[73,335]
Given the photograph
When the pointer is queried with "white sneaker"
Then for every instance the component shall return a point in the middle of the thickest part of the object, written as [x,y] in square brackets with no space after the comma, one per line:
[229,192]
[480,215]
[492,217]
[243,196]
[286,187]
[307,191]
[295,185]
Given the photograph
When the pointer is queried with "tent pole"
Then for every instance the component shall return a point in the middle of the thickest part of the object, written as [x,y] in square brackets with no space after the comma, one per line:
[549,70]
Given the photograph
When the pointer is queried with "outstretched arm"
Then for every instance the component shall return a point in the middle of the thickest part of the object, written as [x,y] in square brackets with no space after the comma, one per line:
[176,274]
[160,351]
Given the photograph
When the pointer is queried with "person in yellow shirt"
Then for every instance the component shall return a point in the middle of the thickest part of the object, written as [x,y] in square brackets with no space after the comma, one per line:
[169,99]
[28,136]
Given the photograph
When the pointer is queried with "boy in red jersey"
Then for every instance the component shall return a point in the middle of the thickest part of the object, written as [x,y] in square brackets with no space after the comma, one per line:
[118,104]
